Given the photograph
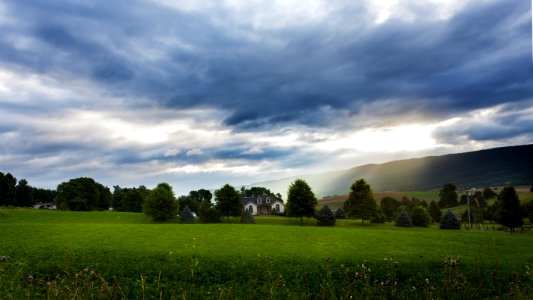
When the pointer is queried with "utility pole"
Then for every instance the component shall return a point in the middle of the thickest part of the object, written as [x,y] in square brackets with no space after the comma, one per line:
[468,194]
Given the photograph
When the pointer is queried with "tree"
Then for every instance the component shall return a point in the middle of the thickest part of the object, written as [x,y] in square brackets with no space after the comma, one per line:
[41,195]
[161,204]
[508,208]
[530,211]
[378,217]
[23,193]
[488,193]
[186,216]
[228,201]
[7,189]
[258,191]
[129,199]
[301,200]
[448,196]
[340,214]
[434,212]
[449,221]
[195,198]
[83,194]
[479,199]
[325,217]
[247,218]
[403,219]
[420,217]
[360,203]
[207,213]
[389,207]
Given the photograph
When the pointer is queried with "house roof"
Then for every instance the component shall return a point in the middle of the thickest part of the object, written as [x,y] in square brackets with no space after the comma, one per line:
[261,200]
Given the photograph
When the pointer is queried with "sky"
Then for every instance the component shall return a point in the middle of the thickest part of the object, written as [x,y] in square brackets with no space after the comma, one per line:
[203,93]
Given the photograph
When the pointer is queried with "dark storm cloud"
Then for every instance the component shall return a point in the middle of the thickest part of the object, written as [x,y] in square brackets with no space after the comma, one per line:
[504,123]
[263,77]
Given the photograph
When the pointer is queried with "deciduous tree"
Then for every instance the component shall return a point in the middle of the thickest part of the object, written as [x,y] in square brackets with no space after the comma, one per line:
[448,196]
[508,208]
[23,193]
[228,201]
[83,194]
[420,217]
[161,204]
[360,203]
[434,212]
[389,207]
[301,200]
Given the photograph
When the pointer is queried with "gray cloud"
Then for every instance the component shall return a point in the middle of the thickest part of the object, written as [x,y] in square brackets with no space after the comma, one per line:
[473,60]
[249,72]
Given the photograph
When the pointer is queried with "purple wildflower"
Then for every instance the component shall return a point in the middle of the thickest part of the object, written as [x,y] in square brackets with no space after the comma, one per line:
[29,278]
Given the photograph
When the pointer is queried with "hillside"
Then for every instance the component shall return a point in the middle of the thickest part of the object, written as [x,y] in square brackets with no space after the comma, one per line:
[471,169]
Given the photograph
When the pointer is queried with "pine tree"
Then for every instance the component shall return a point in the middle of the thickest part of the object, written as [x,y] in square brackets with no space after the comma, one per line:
[340,214]
[186,216]
[449,221]
[403,219]
[325,217]
[247,217]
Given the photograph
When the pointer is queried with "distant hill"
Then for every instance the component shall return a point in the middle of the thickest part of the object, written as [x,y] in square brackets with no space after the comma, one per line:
[492,167]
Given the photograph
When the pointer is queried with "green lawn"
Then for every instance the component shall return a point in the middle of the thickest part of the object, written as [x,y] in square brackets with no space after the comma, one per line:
[276,236]
[136,255]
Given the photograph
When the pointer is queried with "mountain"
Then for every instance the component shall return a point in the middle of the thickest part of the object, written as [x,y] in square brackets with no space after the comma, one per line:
[479,169]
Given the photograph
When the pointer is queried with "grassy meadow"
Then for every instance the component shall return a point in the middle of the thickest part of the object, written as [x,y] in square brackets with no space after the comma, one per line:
[125,255]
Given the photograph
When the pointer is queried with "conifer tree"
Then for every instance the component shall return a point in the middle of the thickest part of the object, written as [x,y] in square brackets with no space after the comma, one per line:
[325,217]
[403,219]
[247,217]
[449,221]
[186,216]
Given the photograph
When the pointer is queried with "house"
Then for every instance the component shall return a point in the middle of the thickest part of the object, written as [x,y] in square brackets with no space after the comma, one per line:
[263,204]
[45,206]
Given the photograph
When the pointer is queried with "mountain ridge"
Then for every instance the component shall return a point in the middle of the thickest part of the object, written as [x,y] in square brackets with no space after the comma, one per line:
[481,168]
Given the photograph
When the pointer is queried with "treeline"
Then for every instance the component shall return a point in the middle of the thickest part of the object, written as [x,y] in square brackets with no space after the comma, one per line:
[85,194]
[361,205]
[19,193]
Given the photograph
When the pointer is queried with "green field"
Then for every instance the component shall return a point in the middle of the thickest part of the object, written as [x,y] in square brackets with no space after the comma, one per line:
[123,247]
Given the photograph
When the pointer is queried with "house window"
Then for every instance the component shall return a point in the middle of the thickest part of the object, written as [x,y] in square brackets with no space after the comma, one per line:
[277,208]
[251,209]
[258,200]
[268,200]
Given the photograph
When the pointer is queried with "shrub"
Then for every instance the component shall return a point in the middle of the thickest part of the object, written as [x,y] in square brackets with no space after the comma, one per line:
[340,214]
[247,218]
[325,217]
[420,217]
[186,216]
[449,221]
[379,217]
[207,213]
[403,219]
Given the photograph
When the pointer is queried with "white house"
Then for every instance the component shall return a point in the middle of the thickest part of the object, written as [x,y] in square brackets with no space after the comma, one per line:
[263,205]
[45,206]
